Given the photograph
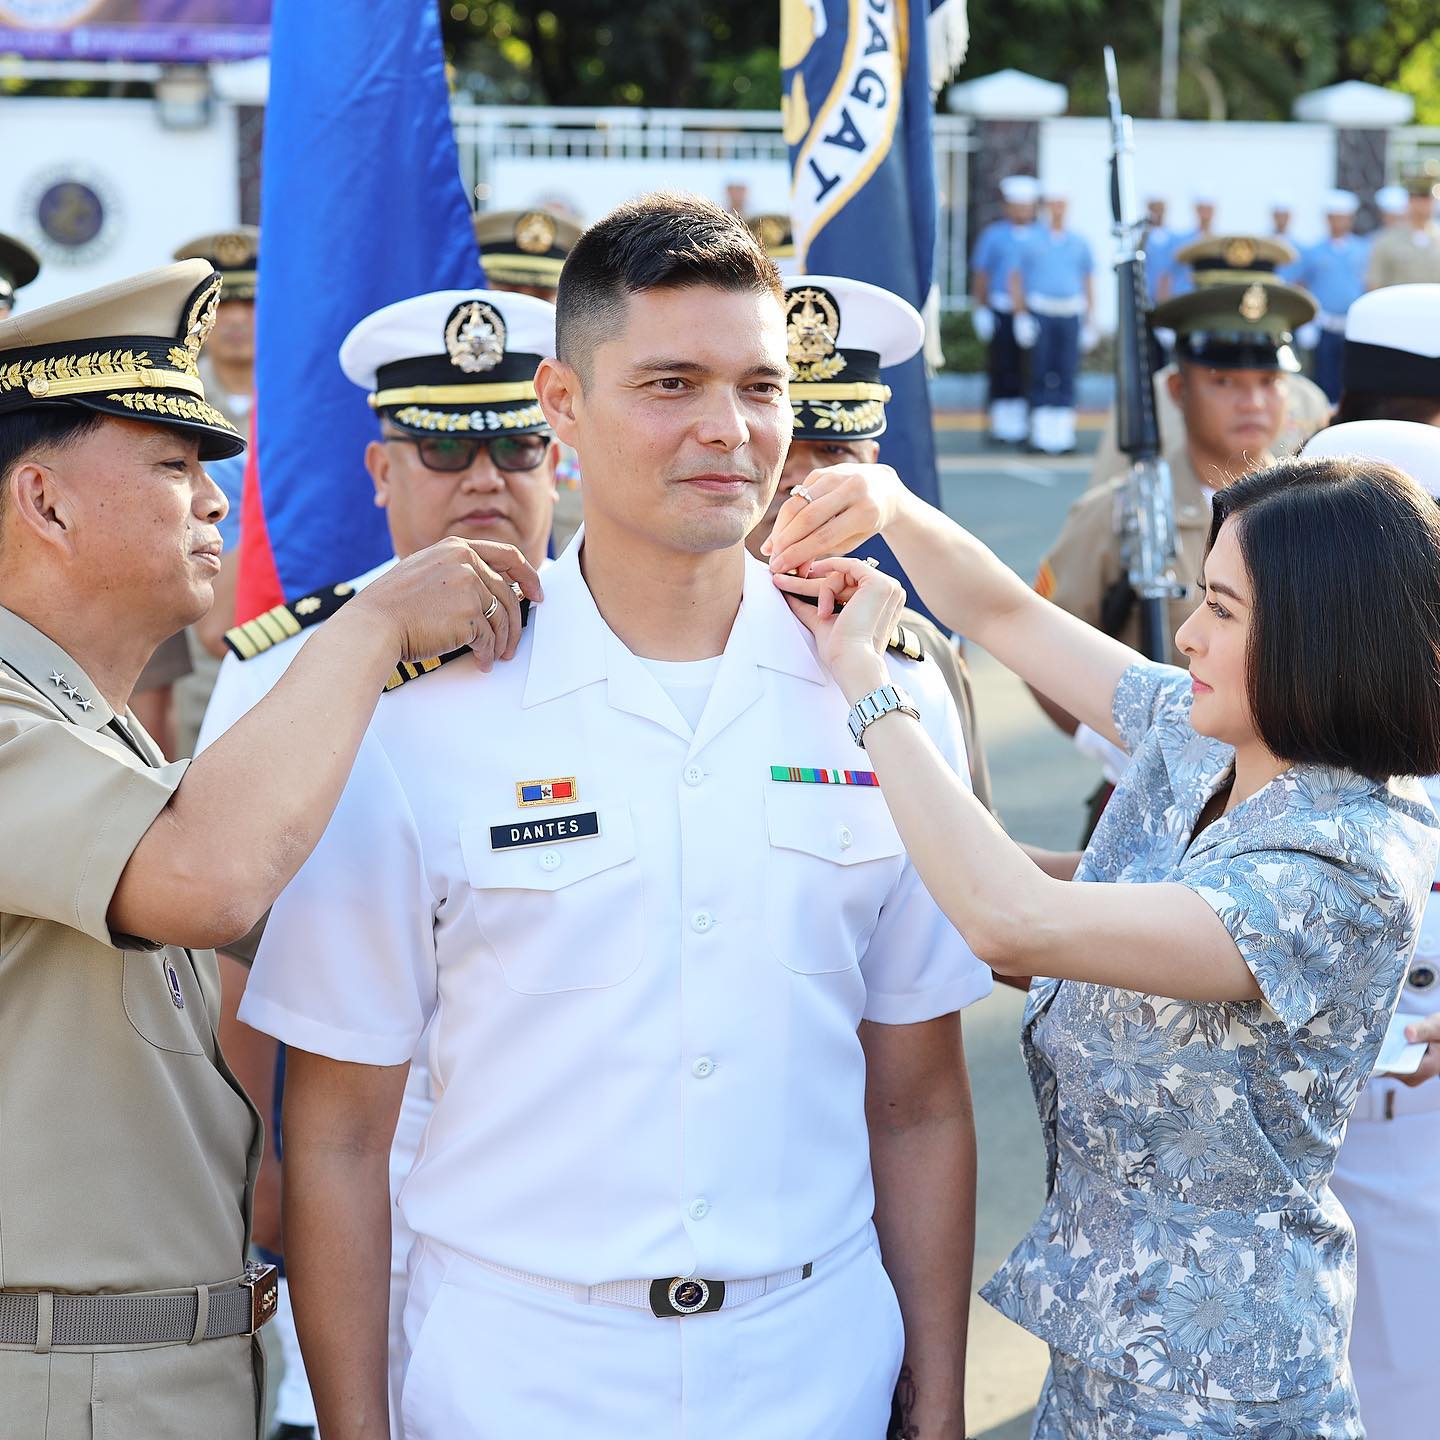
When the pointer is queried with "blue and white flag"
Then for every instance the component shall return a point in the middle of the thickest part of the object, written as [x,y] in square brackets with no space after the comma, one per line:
[859,79]
[361,204]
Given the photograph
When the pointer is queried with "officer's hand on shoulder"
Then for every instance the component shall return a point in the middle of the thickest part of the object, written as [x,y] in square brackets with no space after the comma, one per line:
[452,594]
[841,506]
[1428,1031]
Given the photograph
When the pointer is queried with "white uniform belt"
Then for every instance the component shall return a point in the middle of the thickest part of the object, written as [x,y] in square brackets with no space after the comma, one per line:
[1056,307]
[1331,324]
[1384,1099]
[678,1295]
[1001,303]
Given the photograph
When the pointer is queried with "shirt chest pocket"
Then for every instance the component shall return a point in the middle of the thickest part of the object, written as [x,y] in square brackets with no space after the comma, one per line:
[162,999]
[561,915]
[835,855]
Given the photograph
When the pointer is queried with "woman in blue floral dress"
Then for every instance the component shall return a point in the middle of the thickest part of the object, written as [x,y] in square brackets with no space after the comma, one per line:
[1216,989]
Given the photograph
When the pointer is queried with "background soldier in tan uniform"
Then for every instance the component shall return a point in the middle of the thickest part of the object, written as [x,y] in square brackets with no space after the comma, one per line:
[128,1149]
[1408,252]
[1230,384]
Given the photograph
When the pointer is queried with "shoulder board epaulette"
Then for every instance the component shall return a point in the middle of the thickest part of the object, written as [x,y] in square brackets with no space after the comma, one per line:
[907,643]
[408,670]
[258,635]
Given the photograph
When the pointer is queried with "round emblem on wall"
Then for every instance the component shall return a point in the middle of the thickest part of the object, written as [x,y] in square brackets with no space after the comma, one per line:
[74,214]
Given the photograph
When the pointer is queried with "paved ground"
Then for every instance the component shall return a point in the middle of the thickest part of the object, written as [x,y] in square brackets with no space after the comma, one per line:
[1016,505]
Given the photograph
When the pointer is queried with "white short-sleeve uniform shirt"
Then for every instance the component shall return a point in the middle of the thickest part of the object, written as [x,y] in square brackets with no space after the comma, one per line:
[644,1045]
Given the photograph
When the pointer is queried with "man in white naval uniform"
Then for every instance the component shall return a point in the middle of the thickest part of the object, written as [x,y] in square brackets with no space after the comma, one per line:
[492,481]
[670,951]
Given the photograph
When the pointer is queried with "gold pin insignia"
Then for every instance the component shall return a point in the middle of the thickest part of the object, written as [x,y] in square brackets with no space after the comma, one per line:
[560,791]
[1240,252]
[475,337]
[812,332]
[535,233]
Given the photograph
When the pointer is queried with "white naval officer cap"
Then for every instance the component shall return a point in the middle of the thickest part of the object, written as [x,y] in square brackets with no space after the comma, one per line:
[454,361]
[1392,341]
[840,334]
[1392,199]
[1020,189]
[1405,444]
[1339,202]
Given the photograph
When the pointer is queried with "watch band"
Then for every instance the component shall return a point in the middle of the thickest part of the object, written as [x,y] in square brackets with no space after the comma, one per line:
[869,708]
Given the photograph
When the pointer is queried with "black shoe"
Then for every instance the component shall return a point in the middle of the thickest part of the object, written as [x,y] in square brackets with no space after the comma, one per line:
[293,1432]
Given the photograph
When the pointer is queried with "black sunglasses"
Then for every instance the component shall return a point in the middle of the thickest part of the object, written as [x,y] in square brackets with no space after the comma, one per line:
[451,454]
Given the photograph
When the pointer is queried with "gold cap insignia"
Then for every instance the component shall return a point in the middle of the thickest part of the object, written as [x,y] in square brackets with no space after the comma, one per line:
[535,233]
[770,231]
[1240,252]
[812,329]
[231,250]
[475,337]
[200,318]
[1254,303]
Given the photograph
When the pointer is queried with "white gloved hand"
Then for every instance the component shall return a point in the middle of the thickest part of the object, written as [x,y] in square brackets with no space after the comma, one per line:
[1307,337]
[982,321]
[1027,329]
[1089,337]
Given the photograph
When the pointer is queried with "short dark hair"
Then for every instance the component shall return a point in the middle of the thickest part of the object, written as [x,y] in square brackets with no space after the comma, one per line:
[1343,663]
[39,427]
[658,242]
[1377,405]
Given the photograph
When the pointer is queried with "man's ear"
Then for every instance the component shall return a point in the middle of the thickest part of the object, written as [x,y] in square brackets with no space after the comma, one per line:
[377,462]
[557,387]
[870,451]
[1175,384]
[41,507]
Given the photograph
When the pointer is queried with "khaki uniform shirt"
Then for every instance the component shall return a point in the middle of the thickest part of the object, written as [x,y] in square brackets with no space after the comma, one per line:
[1086,560]
[1402,256]
[127,1149]
[1307,409]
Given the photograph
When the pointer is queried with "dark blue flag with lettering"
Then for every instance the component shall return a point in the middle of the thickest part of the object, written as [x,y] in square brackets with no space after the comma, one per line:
[859,79]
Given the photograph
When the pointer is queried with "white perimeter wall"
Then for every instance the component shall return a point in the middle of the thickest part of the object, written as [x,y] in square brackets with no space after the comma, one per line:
[159,187]
[1244,166]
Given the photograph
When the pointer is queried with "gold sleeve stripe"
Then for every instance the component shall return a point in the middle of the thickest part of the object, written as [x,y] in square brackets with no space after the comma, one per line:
[1045,582]
[907,643]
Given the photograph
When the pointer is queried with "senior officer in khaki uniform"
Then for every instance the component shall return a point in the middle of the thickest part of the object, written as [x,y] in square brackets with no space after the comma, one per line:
[127,1150]
[847,329]
[1408,252]
[1234,361]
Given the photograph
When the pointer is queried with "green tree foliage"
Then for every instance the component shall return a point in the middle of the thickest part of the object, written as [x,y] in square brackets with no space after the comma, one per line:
[617,52]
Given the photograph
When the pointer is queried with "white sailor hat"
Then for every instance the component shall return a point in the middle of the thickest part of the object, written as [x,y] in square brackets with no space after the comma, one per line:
[454,360]
[1339,202]
[1392,199]
[1204,197]
[840,334]
[1405,444]
[1392,341]
[1282,202]
[1020,189]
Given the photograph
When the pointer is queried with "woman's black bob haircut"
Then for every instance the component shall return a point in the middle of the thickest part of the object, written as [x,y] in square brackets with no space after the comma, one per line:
[1343,665]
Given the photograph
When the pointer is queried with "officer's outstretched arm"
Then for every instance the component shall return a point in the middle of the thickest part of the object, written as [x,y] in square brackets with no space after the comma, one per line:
[277,775]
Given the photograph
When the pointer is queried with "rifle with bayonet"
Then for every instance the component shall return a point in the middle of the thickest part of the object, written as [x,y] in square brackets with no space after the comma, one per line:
[1148,529]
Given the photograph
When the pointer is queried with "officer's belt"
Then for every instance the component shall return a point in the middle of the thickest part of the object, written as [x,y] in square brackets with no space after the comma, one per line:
[41,1320]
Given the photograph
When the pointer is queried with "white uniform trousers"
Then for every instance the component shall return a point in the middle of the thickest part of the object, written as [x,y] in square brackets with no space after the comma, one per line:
[493,1358]
[1387,1177]
[415,1110]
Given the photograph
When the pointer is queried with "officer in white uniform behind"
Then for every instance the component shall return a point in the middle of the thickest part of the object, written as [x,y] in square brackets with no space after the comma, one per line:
[1387,1175]
[479,463]
[647,898]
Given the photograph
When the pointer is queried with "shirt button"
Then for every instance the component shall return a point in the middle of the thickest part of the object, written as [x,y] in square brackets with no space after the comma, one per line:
[550,860]
[693,775]
[699,1209]
[701,921]
[702,1067]
[846,838]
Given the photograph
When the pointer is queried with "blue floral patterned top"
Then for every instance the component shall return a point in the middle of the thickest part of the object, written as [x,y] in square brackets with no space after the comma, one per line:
[1190,1241]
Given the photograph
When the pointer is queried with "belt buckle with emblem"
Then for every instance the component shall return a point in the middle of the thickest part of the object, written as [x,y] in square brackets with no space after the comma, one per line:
[685,1295]
[263,1283]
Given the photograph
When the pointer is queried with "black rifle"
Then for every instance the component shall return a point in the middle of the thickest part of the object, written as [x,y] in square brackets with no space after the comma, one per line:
[1148,533]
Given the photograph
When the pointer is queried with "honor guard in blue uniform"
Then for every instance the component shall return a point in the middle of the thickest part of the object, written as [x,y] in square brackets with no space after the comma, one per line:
[1333,271]
[1054,284]
[19,265]
[1176,278]
[1159,242]
[995,258]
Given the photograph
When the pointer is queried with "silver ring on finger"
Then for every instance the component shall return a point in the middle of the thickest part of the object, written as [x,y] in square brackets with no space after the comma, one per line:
[803,493]
[492,608]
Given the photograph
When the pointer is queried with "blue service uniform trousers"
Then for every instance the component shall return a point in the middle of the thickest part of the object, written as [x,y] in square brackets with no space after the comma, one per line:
[1007,361]
[1330,365]
[1054,361]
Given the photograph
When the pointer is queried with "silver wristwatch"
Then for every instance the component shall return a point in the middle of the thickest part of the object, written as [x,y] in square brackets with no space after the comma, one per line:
[869,708]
